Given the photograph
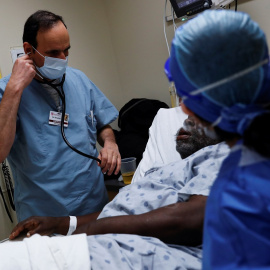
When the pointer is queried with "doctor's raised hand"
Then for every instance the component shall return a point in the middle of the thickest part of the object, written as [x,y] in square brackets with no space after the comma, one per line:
[23,73]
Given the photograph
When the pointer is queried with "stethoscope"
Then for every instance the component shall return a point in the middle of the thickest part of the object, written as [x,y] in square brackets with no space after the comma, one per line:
[61,94]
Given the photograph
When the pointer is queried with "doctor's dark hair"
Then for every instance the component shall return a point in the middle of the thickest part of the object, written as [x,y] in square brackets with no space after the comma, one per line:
[41,20]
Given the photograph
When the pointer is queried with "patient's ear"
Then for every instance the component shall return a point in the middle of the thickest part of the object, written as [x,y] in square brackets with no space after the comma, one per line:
[186,110]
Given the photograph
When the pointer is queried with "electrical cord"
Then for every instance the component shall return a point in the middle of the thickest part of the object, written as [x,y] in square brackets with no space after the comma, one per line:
[164,27]
[9,184]
[174,24]
[9,189]
[62,96]
[5,204]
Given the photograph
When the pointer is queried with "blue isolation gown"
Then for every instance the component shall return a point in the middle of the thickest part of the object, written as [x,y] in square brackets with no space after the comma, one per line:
[50,178]
[237,221]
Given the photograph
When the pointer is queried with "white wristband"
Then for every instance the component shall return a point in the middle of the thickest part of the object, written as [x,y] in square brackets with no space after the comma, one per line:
[72,225]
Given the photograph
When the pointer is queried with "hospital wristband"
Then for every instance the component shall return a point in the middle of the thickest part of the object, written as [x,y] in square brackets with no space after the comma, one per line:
[72,225]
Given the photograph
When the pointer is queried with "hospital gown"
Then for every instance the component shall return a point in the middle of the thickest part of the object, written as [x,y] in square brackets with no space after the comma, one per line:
[172,183]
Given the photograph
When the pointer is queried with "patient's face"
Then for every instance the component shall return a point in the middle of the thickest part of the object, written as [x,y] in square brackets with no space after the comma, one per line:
[191,138]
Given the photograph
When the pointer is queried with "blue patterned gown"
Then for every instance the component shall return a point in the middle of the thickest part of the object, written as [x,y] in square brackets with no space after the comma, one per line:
[169,184]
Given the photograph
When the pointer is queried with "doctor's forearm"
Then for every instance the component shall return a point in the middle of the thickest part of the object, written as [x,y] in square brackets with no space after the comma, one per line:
[23,73]
[105,134]
[8,117]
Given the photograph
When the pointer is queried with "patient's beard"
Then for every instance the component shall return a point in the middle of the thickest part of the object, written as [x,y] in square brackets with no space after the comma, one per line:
[194,143]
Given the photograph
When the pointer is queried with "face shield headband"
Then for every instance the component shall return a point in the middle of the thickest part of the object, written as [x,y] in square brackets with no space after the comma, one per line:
[234,119]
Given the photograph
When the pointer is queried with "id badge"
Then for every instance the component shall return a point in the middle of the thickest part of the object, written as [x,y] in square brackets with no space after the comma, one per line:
[55,119]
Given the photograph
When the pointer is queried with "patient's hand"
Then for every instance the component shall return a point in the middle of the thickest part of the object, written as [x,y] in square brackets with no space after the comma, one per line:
[41,225]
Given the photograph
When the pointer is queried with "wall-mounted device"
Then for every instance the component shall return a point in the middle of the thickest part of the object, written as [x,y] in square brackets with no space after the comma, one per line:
[189,7]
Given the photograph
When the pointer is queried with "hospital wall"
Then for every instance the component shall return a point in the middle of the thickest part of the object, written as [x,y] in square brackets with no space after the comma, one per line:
[139,43]
[119,44]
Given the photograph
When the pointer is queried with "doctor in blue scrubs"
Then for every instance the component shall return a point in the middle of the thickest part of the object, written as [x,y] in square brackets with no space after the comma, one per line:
[50,178]
[220,66]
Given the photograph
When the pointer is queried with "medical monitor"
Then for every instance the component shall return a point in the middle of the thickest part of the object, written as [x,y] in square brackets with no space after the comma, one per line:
[189,7]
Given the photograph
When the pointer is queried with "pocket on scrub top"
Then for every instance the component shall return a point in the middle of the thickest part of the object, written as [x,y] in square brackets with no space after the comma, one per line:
[91,121]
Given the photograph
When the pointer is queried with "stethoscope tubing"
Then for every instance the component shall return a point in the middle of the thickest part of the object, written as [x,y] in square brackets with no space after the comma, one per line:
[62,96]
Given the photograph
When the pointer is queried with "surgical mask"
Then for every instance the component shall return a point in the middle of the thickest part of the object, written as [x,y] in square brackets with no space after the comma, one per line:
[53,68]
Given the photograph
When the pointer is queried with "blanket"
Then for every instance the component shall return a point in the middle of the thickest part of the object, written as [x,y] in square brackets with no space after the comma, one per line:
[44,252]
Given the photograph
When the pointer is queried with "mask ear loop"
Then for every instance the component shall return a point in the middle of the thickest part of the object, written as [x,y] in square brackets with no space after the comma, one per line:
[35,64]
[37,51]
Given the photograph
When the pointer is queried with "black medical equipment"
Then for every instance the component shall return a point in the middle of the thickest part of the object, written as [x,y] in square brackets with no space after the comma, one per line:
[9,188]
[190,7]
[61,94]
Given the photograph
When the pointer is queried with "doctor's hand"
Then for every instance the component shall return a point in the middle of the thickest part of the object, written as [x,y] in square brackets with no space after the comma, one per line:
[42,226]
[110,158]
[23,72]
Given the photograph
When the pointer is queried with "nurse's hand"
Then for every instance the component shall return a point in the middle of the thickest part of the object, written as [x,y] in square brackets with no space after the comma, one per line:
[110,158]
[42,226]
[23,72]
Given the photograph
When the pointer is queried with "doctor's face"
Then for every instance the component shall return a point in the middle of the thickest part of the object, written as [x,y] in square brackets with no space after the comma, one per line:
[190,138]
[53,42]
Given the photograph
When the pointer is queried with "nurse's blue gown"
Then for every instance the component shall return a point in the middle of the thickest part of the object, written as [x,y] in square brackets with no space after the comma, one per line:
[237,221]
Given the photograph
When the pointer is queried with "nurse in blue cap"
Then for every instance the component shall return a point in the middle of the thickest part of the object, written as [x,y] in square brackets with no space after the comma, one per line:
[219,64]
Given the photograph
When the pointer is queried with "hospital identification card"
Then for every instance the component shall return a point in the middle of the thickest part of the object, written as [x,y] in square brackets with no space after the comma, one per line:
[55,119]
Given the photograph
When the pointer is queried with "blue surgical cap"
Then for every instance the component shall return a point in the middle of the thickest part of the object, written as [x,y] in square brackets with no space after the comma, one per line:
[216,45]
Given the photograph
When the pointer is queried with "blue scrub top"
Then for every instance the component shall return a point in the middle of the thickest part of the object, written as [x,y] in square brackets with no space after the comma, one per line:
[237,221]
[50,178]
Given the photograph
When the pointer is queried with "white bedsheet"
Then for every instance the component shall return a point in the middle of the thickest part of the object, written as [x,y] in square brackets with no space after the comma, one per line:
[44,252]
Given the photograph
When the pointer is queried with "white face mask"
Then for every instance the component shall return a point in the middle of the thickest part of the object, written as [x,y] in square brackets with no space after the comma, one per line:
[53,68]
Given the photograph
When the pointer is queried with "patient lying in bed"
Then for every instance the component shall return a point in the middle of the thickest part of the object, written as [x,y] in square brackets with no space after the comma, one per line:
[156,222]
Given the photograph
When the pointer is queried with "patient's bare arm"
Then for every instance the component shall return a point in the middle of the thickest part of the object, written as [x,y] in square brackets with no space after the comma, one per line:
[48,225]
[179,223]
